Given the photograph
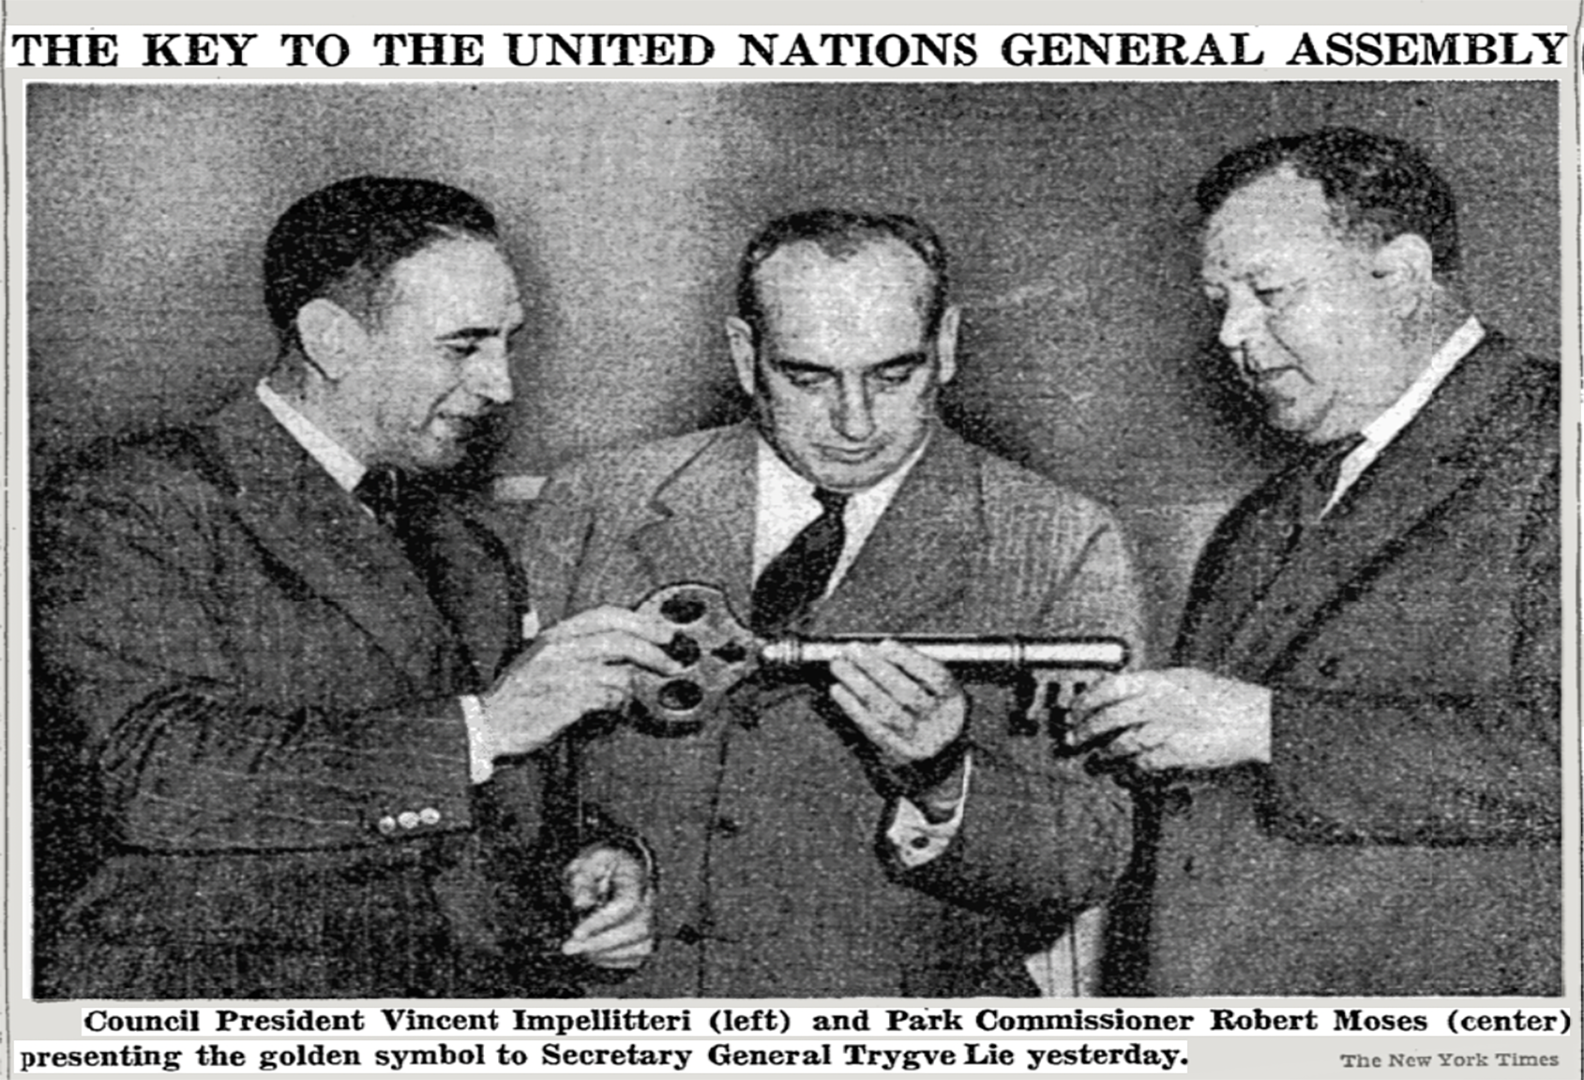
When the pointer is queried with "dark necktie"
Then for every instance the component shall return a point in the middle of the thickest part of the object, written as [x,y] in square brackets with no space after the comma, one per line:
[1269,548]
[1321,475]
[381,490]
[797,577]
[1317,481]
[406,506]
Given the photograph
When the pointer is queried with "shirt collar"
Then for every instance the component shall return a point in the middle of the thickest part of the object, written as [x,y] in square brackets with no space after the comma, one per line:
[1385,427]
[343,468]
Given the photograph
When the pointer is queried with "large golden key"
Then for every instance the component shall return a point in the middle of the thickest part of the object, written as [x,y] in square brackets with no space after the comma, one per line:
[717,652]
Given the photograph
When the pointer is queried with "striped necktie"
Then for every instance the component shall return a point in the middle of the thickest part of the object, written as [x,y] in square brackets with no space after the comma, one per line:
[794,579]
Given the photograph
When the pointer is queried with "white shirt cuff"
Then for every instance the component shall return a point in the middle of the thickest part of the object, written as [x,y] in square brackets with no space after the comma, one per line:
[481,763]
[915,838]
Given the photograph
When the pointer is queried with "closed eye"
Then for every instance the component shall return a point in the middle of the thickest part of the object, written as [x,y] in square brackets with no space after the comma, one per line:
[898,370]
[1277,295]
[805,378]
[466,342]
[895,374]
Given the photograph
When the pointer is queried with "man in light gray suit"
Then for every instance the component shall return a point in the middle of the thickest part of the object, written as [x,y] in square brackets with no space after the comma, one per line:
[845,506]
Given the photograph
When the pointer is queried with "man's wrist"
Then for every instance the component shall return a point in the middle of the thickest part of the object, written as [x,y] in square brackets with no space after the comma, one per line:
[943,804]
[934,779]
[482,750]
[1264,726]
[632,844]
[940,805]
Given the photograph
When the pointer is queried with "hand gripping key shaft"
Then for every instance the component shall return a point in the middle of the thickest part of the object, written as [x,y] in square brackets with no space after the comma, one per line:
[717,651]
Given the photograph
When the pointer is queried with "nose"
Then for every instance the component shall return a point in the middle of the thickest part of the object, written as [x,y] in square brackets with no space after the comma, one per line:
[1241,319]
[489,373]
[853,413]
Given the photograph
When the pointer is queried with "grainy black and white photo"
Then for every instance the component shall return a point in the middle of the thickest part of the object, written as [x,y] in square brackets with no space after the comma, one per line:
[795,540]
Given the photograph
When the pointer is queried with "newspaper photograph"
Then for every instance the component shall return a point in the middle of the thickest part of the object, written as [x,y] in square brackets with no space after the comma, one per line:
[679,547]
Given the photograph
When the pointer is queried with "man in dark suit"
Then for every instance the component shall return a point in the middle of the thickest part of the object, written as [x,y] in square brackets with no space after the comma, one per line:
[279,668]
[846,507]
[1356,766]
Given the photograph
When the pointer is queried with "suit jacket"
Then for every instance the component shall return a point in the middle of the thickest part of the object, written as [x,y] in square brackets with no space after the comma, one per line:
[1404,838]
[765,822]
[248,703]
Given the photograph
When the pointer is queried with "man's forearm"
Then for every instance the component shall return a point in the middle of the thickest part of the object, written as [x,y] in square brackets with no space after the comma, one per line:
[189,769]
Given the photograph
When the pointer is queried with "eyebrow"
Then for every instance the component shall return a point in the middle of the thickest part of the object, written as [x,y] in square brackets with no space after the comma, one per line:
[480,333]
[915,358]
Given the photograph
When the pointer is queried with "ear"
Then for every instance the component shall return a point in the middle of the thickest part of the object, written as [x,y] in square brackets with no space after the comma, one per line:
[739,338]
[1406,268]
[332,337]
[946,343]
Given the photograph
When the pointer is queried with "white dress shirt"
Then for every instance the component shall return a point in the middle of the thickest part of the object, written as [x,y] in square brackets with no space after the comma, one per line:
[785,507]
[1379,433]
[346,470]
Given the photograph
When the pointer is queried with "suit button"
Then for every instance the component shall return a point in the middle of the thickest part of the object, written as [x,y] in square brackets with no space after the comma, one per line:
[387,825]
[1176,801]
[407,819]
[1330,666]
[429,816]
[727,826]
[690,935]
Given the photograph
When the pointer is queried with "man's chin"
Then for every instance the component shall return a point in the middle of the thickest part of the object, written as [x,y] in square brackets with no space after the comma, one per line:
[438,455]
[1289,415]
[1306,420]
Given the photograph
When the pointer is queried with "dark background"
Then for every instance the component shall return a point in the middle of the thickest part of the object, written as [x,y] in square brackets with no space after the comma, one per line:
[1087,351]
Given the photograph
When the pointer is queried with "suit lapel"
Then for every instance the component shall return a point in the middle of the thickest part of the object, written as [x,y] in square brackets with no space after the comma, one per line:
[701,528]
[1447,446]
[319,533]
[1244,568]
[700,522]
[475,584]
[914,564]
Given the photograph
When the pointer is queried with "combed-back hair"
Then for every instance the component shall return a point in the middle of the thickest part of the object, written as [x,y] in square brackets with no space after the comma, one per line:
[841,234]
[1379,188]
[342,241]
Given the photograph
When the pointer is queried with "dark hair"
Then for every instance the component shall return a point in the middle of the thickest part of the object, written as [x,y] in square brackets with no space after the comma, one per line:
[1377,186]
[840,234]
[342,241]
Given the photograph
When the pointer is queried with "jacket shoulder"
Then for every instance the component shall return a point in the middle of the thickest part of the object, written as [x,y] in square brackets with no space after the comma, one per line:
[1022,497]
[631,468]
[158,495]
[175,464]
